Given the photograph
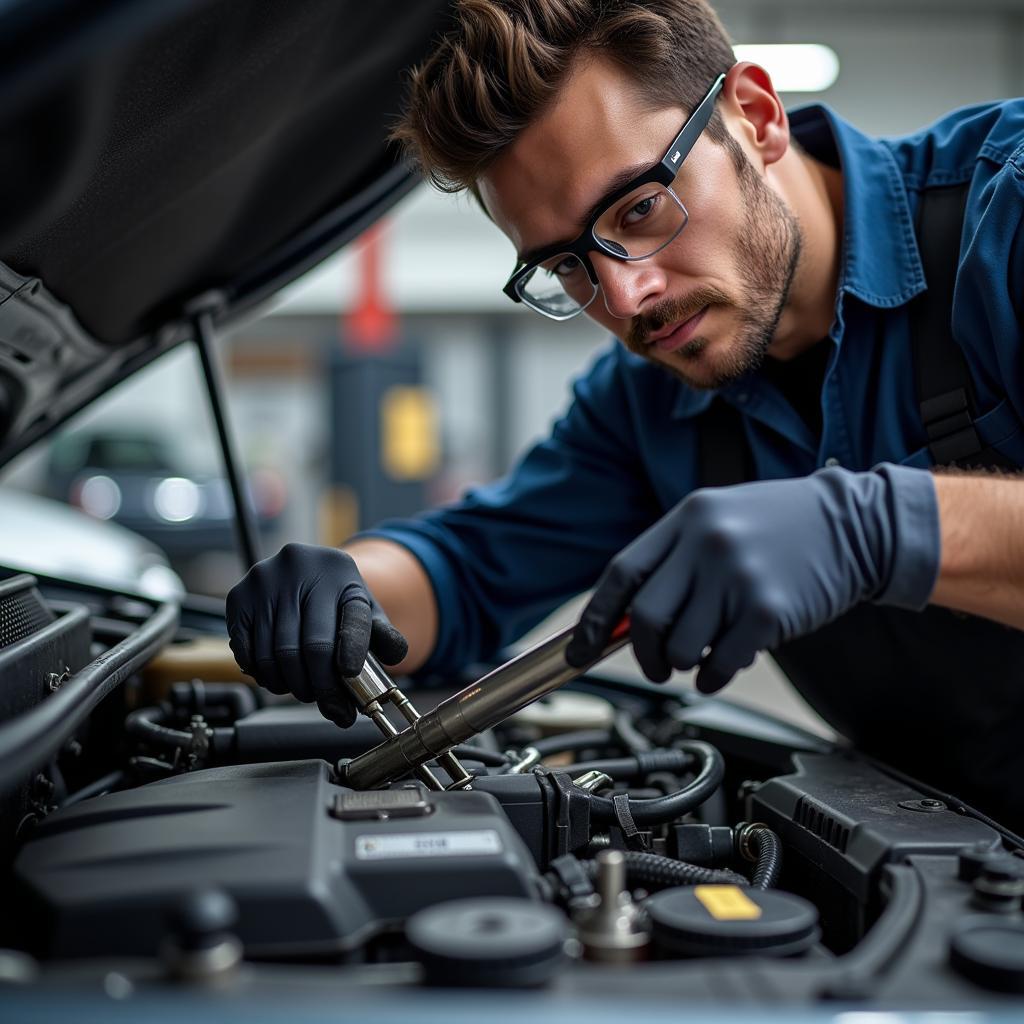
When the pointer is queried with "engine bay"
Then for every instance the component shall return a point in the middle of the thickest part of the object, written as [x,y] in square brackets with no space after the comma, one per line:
[616,841]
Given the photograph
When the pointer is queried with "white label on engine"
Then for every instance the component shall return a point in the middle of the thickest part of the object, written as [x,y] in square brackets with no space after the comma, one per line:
[428,844]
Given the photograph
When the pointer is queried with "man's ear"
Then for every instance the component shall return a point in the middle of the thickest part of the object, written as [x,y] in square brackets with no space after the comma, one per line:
[753,109]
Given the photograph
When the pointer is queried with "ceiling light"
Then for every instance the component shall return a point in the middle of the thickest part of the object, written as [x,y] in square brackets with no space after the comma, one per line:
[794,67]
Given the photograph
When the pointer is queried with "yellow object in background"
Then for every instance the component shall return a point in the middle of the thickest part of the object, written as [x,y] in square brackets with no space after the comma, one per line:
[410,436]
[338,516]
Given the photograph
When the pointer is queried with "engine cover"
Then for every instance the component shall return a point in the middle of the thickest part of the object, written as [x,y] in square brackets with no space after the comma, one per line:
[314,868]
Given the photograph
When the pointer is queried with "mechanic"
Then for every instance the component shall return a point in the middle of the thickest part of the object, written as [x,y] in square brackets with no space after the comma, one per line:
[754,464]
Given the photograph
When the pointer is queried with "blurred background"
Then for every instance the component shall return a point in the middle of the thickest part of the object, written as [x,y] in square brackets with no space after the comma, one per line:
[396,374]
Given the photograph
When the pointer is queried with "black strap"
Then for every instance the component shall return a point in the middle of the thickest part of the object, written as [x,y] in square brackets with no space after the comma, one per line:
[943,385]
[944,393]
[635,839]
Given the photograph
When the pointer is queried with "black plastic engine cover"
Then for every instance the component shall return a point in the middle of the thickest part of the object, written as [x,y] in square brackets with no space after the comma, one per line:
[841,820]
[851,818]
[309,877]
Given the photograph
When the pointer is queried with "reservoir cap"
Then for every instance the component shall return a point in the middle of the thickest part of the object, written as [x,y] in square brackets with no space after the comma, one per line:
[728,920]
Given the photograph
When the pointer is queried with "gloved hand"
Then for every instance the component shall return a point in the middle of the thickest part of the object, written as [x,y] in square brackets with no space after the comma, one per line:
[743,569]
[301,620]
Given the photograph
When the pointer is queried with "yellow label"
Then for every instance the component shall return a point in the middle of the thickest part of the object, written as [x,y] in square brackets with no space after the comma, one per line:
[727,903]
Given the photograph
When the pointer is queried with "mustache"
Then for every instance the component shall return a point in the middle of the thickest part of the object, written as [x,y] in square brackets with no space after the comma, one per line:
[671,311]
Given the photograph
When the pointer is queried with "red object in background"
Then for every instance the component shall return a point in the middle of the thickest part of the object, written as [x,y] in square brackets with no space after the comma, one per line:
[371,324]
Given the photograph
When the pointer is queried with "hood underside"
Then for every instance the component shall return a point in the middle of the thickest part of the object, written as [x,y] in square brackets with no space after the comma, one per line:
[165,156]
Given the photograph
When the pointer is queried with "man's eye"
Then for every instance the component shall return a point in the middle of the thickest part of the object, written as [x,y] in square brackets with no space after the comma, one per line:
[566,267]
[639,211]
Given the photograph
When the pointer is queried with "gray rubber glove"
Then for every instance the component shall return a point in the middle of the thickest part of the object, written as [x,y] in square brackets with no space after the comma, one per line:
[300,621]
[738,570]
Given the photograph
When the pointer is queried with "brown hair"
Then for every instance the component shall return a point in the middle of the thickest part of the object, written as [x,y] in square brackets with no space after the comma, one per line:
[505,60]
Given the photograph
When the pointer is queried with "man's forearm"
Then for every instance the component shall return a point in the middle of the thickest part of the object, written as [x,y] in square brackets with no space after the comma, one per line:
[400,584]
[981,519]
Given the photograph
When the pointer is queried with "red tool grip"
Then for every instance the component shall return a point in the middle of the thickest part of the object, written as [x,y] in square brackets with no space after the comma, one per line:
[622,629]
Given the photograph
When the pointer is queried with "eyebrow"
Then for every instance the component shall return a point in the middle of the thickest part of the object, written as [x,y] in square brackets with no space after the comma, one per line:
[619,181]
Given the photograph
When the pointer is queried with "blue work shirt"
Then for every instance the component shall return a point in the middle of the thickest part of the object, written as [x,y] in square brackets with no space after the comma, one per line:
[510,552]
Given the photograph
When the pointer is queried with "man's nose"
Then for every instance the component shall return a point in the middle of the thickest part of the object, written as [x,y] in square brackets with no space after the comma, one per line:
[627,285]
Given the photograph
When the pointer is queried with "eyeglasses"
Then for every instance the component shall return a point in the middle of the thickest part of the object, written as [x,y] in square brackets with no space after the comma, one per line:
[638,220]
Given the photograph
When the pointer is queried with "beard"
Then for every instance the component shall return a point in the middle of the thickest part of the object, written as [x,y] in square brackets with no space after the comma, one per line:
[767,257]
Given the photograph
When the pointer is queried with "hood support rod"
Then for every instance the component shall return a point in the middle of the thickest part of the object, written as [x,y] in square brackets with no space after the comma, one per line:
[246,530]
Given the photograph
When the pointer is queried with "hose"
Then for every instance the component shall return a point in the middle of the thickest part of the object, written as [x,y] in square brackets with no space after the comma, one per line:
[636,767]
[654,872]
[760,844]
[491,758]
[633,740]
[36,735]
[144,723]
[572,741]
[197,697]
[660,809]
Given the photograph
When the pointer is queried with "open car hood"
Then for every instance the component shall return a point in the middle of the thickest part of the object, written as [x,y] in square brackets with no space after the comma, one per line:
[168,157]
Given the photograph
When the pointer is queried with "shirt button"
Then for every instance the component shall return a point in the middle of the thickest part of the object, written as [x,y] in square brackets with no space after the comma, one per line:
[831,461]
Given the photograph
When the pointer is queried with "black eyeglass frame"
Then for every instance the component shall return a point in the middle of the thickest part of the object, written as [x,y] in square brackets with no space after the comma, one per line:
[663,173]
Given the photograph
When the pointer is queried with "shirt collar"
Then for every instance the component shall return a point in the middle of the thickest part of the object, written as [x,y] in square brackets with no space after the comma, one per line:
[881,265]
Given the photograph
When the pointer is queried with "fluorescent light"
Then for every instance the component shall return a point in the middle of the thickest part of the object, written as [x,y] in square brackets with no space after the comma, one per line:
[794,67]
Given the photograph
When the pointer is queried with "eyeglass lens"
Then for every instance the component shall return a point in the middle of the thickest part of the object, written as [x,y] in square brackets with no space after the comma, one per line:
[634,227]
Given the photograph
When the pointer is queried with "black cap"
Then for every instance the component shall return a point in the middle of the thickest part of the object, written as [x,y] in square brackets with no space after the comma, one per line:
[700,921]
[202,917]
[501,941]
[990,952]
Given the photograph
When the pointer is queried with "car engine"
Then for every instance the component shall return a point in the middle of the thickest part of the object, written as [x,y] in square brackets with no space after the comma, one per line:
[170,825]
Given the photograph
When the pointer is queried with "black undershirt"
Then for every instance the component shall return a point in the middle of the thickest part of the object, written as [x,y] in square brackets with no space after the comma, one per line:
[800,380]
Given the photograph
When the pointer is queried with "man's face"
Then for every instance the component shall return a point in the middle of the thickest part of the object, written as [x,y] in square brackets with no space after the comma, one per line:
[707,305]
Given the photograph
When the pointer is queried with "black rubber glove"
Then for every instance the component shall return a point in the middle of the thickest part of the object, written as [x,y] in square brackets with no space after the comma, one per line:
[301,620]
[736,570]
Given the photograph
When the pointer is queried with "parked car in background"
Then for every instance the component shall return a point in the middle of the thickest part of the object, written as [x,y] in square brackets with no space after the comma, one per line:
[48,538]
[150,482]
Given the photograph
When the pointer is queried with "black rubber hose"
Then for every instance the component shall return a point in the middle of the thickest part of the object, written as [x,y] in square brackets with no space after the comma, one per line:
[769,857]
[491,758]
[660,809]
[635,767]
[197,696]
[34,737]
[145,723]
[634,741]
[572,741]
[654,872]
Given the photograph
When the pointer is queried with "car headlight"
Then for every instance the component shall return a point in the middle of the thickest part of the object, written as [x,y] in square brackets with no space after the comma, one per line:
[176,499]
[99,496]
